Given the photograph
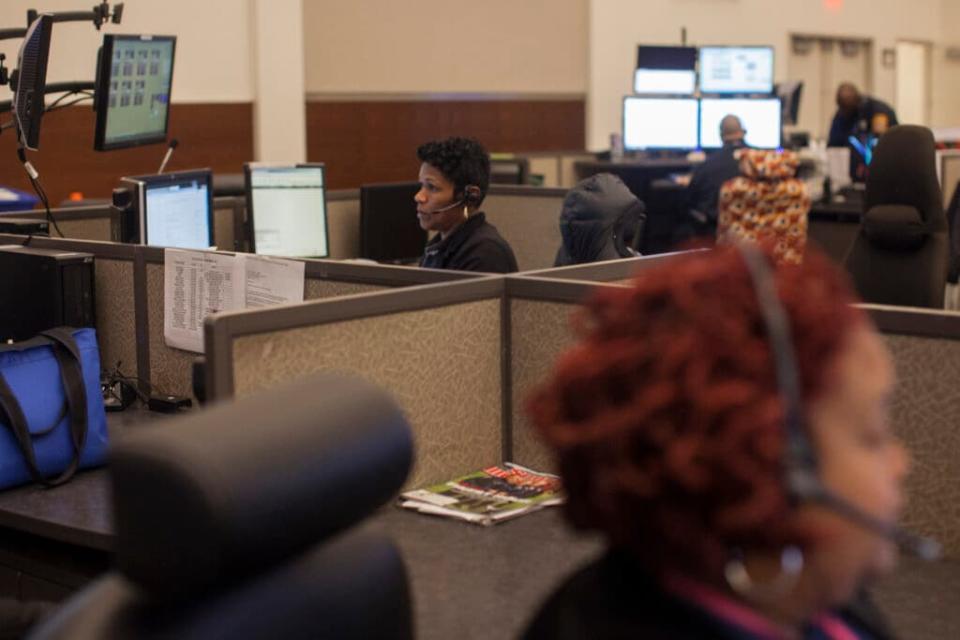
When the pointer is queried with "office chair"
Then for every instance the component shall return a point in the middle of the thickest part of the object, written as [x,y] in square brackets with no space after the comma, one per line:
[601,220]
[902,252]
[231,523]
[767,203]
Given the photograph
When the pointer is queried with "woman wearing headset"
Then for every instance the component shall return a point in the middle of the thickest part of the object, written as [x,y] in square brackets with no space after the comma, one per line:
[454,176]
[671,425]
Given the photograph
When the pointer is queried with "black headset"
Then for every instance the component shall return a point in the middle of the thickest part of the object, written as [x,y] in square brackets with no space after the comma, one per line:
[802,477]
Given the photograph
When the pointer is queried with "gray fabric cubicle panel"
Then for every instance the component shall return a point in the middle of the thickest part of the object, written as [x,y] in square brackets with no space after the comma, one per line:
[437,349]
[926,415]
[343,223]
[528,219]
[539,331]
[608,271]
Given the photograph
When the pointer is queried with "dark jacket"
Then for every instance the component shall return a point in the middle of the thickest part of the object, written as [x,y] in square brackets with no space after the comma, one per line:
[703,192]
[600,220]
[614,599]
[475,245]
[859,126]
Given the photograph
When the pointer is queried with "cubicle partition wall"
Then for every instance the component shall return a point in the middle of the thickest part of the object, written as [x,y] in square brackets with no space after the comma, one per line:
[343,223]
[76,223]
[437,348]
[609,271]
[529,220]
[459,357]
[926,414]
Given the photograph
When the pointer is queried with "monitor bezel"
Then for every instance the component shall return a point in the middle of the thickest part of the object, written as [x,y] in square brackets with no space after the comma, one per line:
[773,70]
[736,98]
[41,28]
[623,120]
[145,182]
[248,168]
[102,92]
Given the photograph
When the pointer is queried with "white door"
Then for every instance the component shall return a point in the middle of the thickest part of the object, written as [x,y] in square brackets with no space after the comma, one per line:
[913,83]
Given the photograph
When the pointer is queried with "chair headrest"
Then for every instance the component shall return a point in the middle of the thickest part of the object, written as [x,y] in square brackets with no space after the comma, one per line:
[895,227]
[904,172]
[235,489]
[762,164]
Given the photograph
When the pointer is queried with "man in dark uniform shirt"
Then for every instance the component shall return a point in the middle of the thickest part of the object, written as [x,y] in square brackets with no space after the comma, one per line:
[704,190]
[859,122]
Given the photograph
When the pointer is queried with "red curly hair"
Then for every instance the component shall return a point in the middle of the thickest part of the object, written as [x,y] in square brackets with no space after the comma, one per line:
[665,418]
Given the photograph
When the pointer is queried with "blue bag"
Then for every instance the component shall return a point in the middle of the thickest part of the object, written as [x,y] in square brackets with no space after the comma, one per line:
[52,420]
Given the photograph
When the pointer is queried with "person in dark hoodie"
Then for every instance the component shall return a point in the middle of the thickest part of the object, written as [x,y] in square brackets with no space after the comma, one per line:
[454,177]
[601,220]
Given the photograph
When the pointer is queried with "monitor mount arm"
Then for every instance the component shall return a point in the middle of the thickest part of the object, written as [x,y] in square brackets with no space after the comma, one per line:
[99,15]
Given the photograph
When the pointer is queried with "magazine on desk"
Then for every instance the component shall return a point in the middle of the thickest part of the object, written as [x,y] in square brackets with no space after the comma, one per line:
[488,496]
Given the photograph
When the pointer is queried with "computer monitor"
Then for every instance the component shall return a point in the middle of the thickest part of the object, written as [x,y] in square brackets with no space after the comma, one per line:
[389,228]
[759,116]
[659,123]
[134,77]
[665,70]
[287,209]
[736,70]
[790,94]
[173,209]
[31,82]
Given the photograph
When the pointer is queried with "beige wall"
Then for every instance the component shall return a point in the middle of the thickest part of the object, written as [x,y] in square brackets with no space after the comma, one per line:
[617,26]
[213,57]
[429,46]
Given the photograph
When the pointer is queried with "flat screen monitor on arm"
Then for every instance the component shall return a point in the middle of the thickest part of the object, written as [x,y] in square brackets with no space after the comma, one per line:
[743,70]
[665,70]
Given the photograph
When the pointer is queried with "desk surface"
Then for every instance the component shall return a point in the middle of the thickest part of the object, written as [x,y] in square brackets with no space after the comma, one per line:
[477,582]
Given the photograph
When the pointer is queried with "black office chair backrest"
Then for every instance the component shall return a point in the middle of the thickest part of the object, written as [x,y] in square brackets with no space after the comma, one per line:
[904,172]
[901,255]
[224,521]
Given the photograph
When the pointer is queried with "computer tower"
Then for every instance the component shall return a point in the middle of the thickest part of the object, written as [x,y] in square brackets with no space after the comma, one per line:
[44,288]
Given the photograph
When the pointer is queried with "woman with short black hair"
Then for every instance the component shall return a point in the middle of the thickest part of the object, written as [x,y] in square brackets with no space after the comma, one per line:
[454,177]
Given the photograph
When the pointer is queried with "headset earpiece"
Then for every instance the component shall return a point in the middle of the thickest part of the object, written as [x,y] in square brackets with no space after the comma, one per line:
[471,195]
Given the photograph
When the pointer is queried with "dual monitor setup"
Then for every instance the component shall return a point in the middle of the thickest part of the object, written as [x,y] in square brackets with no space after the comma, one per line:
[683,93]
[286,213]
[286,210]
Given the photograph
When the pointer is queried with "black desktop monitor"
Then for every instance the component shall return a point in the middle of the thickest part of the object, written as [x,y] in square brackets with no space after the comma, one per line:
[134,76]
[28,99]
[287,209]
[660,123]
[173,209]
[759,116]
[743,70]
[790,94]
[665,70]
[389,228]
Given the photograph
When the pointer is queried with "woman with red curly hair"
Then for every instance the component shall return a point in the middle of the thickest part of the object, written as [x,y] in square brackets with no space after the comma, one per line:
[667,423]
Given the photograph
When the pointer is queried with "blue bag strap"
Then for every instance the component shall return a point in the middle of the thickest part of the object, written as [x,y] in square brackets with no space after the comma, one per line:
[67,354]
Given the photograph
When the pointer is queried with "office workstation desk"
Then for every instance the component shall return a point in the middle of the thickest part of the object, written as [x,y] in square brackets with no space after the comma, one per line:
[467,581]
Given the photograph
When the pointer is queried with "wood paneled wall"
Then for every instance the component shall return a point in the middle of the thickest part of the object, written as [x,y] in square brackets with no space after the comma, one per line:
[361,142]
[219,136]
[376,141]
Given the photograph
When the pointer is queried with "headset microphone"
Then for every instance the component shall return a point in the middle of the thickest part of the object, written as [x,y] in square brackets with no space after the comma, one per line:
[802,481]
[448,207]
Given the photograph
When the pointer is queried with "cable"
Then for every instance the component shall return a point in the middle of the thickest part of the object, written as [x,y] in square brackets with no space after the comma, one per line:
[35,181]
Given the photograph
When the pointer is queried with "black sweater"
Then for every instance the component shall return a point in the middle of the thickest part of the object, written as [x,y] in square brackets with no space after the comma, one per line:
[475,245]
